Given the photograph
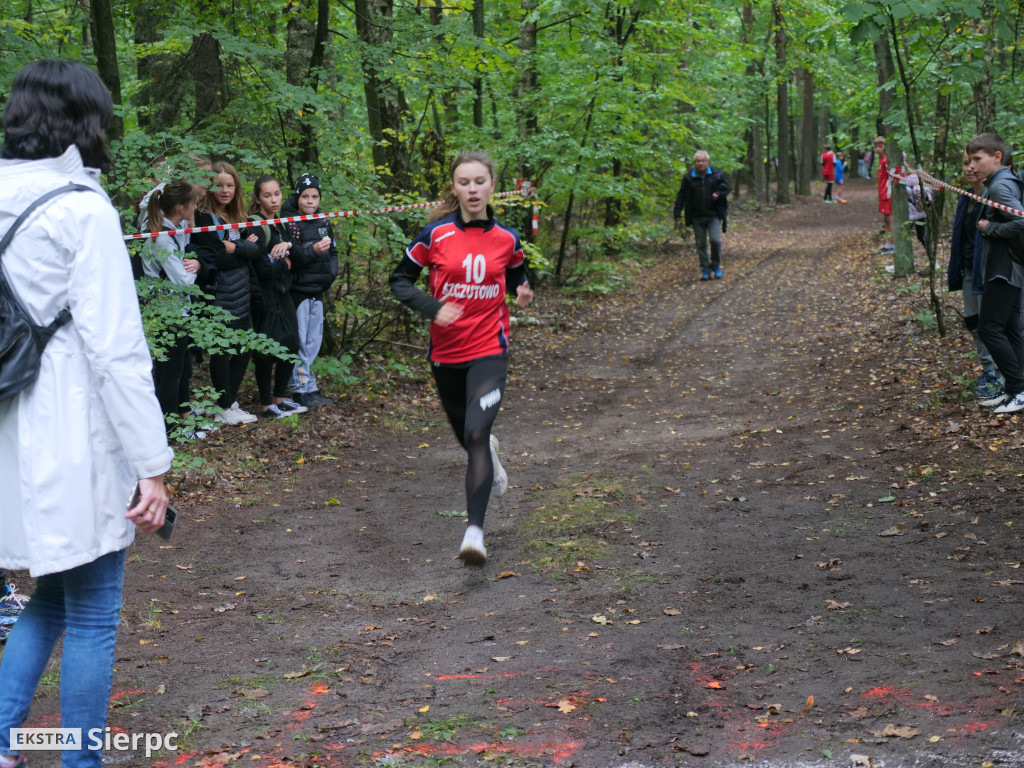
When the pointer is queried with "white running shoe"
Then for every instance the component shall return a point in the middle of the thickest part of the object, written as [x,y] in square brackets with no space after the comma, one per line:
[999,399]
[1012,406]
[229,416]
[246,417]
[473,551]
[499,485]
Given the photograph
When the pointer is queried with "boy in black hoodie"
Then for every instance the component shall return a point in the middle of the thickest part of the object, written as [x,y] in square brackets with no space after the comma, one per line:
[314,242]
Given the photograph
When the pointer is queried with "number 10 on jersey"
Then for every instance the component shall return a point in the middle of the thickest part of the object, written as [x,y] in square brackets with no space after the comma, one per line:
[476,268]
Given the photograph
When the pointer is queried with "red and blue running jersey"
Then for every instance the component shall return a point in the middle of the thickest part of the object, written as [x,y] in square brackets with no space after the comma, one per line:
[467,265]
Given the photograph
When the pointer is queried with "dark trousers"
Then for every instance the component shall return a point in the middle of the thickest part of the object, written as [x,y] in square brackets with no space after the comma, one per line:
[270,369]
[828,190]
[171,377]
[1000,329]
[708,228]
[227,371]
[471,397]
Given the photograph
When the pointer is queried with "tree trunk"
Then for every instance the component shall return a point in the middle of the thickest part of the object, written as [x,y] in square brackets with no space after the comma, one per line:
[807,144]
[526,114]
[148,23]
[208,76]
[303,59]
[755,145]
[105,46]
[478,81]
[885,71]
[383,98]
[984,92]
[782,95]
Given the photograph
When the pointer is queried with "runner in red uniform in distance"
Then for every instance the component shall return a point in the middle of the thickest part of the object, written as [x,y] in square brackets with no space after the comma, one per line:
[473,262]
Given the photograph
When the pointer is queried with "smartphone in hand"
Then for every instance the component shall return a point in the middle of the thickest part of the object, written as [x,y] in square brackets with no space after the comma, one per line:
[165,530]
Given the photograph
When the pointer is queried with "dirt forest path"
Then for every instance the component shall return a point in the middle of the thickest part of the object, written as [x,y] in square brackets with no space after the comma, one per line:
[751,522]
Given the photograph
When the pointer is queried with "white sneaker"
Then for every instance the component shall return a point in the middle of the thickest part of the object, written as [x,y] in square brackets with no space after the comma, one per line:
[473,551]
[1002,397]
[230,417]
[246,417]
[499,485]
[1014,405]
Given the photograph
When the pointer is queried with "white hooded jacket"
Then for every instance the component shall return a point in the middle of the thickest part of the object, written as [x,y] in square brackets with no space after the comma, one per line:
[74,443]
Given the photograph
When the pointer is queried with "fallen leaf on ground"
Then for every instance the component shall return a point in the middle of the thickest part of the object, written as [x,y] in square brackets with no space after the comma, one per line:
[671,611]
[948,643]
[602,620]
[892,731]
[253,693]
[896,530]
[1018,648]
[836,606]
[505,575]
[565,706]
[500,658]
[293,675]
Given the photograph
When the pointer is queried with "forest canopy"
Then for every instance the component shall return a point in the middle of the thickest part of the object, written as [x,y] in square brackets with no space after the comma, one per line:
[602,103]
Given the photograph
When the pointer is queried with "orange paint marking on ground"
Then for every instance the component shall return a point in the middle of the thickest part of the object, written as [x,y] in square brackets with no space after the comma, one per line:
[122,694]
[885,691]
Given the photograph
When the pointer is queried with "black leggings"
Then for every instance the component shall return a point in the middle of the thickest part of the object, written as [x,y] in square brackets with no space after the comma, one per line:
[171,377]
[227,371]
[471,396]
[828,190]
[269,369]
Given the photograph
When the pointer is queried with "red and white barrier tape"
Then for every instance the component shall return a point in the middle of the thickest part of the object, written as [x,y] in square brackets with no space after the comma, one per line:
[308,217]
[937,184]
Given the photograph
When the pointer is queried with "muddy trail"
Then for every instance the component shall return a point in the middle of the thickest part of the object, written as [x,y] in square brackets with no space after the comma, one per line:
[752,521]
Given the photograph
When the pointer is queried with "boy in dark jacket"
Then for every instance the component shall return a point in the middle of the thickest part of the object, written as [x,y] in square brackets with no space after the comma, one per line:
[999,321]
[313,241]
[703,199]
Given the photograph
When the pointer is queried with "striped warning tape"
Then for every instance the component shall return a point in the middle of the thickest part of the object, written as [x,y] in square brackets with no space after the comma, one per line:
[937,183]
[307,217]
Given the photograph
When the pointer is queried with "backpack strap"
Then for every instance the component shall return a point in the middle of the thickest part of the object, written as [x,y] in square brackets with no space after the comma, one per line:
[64,316]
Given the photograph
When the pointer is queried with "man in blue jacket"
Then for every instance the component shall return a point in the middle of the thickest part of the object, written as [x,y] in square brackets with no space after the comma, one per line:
[703,200]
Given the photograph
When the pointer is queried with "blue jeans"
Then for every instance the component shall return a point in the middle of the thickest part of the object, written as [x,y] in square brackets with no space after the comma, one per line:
[83,604]
[310,313]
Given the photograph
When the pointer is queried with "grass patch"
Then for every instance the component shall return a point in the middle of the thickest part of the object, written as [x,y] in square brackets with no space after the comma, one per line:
[575,521]
[445,729]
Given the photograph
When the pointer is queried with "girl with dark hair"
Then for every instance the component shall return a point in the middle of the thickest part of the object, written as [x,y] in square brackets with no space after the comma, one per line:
[77,441]
[227,257]
[313,246]
[473,261]
[275,317]
[171,207]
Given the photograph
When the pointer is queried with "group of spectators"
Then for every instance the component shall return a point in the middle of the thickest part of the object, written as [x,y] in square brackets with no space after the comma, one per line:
[987,263]
[269,277]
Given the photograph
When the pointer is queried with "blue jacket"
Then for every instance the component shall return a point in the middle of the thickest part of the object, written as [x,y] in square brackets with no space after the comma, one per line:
[955,272]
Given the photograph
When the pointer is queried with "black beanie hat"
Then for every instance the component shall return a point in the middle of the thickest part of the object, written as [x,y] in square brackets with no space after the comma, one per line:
[306,181]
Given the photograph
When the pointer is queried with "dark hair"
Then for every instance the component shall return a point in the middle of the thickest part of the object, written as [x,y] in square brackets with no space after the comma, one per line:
[234,211]
[989,143]
[254,205]
[449,203]
[54,104]
[164,200]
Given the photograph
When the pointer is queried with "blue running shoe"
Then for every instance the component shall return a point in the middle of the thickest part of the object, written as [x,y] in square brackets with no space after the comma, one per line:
[989,385]
[705,274]
[718,272]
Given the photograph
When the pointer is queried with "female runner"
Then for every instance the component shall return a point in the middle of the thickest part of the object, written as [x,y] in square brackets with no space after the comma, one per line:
[473,260]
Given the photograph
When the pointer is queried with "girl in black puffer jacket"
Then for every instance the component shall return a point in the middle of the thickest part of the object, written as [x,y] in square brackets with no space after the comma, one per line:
[227,257]
[313,244]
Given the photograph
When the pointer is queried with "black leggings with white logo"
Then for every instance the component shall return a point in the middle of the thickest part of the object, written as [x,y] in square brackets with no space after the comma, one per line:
[471,395]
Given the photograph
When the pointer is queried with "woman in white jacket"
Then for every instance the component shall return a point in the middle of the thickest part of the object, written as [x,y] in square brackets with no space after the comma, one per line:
[73,444]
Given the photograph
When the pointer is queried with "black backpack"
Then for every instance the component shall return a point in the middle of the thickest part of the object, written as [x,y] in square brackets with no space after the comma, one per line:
[21,340]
